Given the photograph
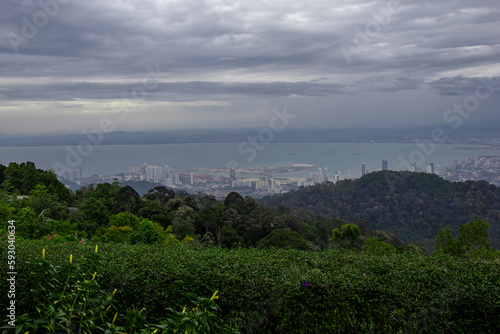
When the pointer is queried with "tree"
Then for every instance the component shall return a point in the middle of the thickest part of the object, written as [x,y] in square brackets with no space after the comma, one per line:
[472,239]
[160,193]
[7,212]
[147,232]
[3,169]
[207,240]
[233,198]
[230,237]
[154,211]
[373,246]
[84,227]
[106,192]
[117,234]
[125,219]
[473,236]
[347,236]
[446,243]
[26,223]
[127,200]
[282,238]
[182,228]
[170,239]
[57,211]
[209,219]
[25,177]
[96,211]
[40,191]
[173,204]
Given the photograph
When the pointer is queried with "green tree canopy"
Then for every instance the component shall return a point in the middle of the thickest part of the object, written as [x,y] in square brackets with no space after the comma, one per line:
[95,210]
[472,239]
[347,236]
[282,238]
[373,246]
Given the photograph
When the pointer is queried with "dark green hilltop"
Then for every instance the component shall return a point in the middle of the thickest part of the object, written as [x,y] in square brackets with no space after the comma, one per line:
[415,206]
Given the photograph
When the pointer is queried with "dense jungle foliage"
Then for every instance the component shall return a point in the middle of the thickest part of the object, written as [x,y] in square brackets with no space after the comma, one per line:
[415,206]
[44,209]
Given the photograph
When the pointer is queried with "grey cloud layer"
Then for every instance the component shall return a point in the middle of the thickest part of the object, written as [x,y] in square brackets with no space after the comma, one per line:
[242,50]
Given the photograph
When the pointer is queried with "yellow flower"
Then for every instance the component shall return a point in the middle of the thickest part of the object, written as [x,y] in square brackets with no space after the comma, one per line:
[184,310]
[107,309]
[96,248]
[93,277]
[43,253]
[214,296]
[70,258]
[155,331]
[113,292]
[113,322]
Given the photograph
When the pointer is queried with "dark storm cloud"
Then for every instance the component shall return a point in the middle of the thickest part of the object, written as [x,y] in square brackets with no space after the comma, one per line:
[85,90]
[462,86]
[241,51]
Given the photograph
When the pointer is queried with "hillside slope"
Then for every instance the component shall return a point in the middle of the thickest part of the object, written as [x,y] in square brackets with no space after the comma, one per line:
[414,206]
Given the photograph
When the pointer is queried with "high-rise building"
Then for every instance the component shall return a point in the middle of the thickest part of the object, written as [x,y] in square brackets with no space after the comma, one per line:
[320,175]
[154,173]
[326,174]
[169,172]
[315,177]
[363,169]
[385,164]
[192,179]
[232,174]
[430,168]
[135,169]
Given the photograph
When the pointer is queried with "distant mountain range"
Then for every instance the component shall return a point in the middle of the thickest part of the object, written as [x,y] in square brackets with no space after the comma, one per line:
[415,206]
[478,130]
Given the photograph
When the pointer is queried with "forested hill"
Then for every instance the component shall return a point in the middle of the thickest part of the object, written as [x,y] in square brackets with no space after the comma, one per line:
[414,206]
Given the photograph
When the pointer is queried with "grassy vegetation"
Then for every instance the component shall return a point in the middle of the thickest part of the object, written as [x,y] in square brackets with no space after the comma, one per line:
[277,290]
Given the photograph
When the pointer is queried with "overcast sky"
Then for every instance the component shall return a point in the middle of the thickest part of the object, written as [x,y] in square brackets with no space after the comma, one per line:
[65,65]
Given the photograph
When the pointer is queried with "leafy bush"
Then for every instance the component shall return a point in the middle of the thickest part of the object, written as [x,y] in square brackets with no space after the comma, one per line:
[284,291]
[68,299]
[373,246]
[472,241]
[346,237]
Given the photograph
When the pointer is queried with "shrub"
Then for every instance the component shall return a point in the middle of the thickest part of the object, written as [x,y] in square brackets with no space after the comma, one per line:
[373,246]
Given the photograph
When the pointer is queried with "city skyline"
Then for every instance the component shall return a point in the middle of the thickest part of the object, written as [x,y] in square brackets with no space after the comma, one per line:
[222,185]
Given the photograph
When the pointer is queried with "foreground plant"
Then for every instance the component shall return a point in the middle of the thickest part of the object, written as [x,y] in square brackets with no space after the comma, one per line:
[200,319]
[69,299]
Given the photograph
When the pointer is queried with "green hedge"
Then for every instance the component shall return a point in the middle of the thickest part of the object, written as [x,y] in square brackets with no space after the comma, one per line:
[289,291]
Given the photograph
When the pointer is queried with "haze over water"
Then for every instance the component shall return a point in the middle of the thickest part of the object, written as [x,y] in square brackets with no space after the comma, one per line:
[110,160]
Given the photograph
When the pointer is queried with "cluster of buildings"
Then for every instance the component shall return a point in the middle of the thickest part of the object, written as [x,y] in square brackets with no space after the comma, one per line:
[157,174]
[483,168]
[74,175]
